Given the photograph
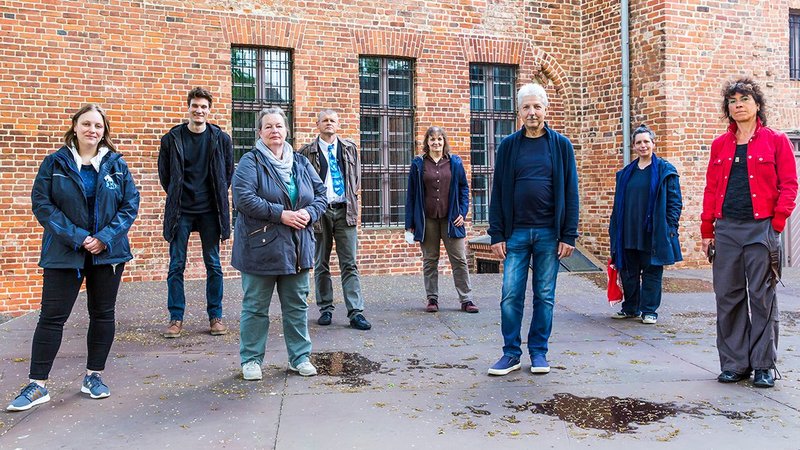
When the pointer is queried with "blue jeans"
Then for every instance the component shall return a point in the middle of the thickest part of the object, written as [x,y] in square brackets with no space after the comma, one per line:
[208,227]
[539,248]
[641,283]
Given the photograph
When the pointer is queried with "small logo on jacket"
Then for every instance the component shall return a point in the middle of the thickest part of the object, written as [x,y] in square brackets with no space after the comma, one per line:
[110,184]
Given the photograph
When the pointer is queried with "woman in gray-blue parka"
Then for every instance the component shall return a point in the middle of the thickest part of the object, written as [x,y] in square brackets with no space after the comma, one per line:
[86,200]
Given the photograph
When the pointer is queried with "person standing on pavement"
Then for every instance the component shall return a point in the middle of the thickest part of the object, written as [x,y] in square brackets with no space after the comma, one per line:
[195,166]
[337,163]
[278,195]
[86,200]
[644,227]
[437,201]
[533,222]
[751,186]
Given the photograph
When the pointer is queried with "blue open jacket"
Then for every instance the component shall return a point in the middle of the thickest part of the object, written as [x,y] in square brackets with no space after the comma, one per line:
[59,204]
[666,213]
[565,187]
[458,200]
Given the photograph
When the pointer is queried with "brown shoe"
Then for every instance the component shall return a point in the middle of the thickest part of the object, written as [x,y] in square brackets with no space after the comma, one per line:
[433,306]
[469,307]
[174,329]
[217,327]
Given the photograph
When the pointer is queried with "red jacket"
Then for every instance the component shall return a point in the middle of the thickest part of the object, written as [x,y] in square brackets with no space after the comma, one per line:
[773,177]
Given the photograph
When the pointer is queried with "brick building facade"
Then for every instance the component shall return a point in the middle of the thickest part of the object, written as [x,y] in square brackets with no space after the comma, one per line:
[391,69]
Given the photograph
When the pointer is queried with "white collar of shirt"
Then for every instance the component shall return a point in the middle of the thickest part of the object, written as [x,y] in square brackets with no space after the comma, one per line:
[332,197]
[95,162]
[324,146]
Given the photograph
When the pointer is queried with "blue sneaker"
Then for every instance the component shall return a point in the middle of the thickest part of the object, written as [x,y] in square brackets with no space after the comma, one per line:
[539,364]
[505,365]
[31,395]
[94,386]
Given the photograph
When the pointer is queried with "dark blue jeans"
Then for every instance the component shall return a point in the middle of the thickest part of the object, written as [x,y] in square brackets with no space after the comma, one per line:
[208,227]
[641,283]
[538,248]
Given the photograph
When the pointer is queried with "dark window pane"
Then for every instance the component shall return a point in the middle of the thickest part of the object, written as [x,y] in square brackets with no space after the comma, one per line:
[478,143]
[370,140]
[794,46]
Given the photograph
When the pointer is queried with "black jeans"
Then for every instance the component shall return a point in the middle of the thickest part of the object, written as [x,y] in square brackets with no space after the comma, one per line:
[60,290]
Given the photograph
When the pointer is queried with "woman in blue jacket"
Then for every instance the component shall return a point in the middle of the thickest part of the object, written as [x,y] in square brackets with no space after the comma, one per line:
[437,201]
[644,227]
[278,196]
[86,200]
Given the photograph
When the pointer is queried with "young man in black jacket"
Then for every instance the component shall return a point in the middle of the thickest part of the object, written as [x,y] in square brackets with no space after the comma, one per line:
[195,167]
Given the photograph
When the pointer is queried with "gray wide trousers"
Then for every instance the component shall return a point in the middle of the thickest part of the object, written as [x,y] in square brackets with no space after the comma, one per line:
[747,308]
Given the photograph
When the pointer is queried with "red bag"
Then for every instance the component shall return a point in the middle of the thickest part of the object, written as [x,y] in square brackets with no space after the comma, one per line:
[614,284]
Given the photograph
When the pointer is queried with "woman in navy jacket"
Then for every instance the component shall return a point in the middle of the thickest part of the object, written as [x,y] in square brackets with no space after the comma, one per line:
[644,227]
[86,200]
[437,201]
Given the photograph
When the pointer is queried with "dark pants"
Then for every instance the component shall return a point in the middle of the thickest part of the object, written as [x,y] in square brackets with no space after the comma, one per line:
[641,283]
[208,227]
[60,290]
[335,229]
[747,307]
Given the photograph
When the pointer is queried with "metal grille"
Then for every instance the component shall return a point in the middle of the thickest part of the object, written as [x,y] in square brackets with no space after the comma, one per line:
[794,46]
[261,78]
[387,138]
[493,117]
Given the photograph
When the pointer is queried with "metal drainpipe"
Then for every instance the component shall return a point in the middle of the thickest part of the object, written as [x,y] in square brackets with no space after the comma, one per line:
[626,86]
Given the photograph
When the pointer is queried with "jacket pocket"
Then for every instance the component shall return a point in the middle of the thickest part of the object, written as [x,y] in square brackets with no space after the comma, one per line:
[262,236]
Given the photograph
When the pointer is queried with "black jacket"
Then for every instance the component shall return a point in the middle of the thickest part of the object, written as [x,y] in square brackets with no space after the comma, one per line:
[59,204]
[170,174]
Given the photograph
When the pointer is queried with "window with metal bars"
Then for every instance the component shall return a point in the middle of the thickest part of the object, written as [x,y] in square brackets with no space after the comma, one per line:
[261,78]
[387,138]
[794,45]
[492,117]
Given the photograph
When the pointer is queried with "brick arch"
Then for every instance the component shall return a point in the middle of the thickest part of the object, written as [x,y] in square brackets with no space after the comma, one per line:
[262,32]
[542,66]
[387,42]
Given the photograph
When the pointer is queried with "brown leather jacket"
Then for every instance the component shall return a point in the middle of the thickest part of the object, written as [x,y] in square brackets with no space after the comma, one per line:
[348,151]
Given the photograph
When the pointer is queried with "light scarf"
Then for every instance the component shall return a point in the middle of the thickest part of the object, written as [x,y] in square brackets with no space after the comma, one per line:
[95,161]
[284,165]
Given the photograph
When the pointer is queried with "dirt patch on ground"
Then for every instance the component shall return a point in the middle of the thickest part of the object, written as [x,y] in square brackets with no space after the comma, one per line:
[670,285]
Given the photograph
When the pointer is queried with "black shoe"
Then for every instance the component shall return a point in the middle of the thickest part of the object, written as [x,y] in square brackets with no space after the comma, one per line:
[359,322]
[763,379]
[729,376]
[325,318]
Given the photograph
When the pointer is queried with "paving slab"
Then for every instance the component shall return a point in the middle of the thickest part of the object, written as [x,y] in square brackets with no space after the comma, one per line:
[416,380]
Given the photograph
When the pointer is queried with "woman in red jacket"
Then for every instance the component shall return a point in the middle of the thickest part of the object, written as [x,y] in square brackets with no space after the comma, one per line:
[751,185]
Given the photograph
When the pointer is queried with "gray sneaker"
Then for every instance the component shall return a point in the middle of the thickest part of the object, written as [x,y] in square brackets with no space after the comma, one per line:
[305,369]
[251,370]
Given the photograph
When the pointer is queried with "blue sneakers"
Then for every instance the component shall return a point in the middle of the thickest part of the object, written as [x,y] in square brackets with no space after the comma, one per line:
[31,395]
[505,365]
[94,386]
[539,364]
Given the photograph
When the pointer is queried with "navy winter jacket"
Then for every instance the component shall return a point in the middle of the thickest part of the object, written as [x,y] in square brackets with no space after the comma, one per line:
[565,187]
[262,244]
[170,174]
[59,204]
[666,216]
[458,200]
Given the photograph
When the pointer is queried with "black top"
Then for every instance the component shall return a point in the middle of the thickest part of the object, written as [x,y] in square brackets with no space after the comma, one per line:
[738,204]
[534,205]
[637,197]
[89,177]
[197,196]
[436,177]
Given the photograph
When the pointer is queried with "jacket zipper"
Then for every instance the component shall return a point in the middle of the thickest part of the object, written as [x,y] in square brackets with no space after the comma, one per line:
[293,231]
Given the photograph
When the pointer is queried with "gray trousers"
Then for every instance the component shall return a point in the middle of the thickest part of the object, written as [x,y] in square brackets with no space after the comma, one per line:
[747,308]
[335,229]
[435,232]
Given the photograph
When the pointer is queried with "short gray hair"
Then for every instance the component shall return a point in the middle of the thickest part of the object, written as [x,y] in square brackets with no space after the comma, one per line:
[272,110]
[326,112]
[532,90]
[643,129]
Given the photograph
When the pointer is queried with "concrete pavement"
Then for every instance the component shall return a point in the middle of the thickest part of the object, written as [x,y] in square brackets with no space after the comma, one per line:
[416,380]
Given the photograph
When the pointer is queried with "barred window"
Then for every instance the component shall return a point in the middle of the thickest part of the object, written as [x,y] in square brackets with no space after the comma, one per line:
[794,45]
[261,78]
[492,117]
[387,138]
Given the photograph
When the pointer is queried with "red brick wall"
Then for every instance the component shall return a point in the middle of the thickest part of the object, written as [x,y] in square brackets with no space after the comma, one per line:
[138,59]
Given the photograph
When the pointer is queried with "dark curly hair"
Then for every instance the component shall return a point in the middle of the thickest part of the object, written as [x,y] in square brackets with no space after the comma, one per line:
[744,86]
[199,92]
